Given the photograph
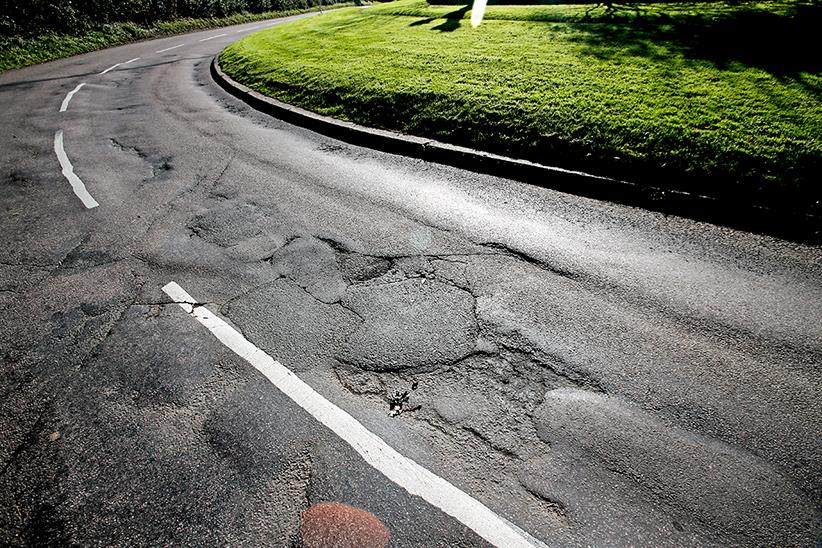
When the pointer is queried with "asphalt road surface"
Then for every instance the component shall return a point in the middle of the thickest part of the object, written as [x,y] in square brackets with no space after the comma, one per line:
[595,374]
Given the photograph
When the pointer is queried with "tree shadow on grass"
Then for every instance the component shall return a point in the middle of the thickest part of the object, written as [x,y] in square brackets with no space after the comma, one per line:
[451,23]
[784,45]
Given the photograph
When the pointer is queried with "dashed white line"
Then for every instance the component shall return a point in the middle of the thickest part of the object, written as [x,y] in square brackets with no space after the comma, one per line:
[169,49]
[401,470]
[112,67]
[68,172]
[248,29]
[70,94]
[212,37]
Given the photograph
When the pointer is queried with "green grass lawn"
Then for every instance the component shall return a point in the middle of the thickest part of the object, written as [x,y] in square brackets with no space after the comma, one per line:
[16,52]
[716,97]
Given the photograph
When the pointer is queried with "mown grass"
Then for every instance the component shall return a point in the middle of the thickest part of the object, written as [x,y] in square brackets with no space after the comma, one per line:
[690,95]
[17,52]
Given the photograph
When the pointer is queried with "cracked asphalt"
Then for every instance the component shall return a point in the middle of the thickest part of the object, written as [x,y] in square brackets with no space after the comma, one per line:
[595,373]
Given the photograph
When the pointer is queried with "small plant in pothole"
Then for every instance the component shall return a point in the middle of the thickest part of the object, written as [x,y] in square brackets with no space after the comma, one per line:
[397,399]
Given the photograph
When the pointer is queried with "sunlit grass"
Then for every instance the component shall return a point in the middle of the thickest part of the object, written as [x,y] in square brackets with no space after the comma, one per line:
[662,96]
[16,52]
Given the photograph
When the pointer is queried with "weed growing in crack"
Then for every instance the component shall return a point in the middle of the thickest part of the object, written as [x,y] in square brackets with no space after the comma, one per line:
[397,400]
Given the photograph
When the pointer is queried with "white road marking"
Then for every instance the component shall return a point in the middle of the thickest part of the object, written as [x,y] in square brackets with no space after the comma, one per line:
[212,37]
[65,104]
[112,67]
[401,470]
[169,49]
[68,172]
[248,29]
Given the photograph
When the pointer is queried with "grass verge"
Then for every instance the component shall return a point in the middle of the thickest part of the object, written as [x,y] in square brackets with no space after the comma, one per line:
[685,95]
[17,52]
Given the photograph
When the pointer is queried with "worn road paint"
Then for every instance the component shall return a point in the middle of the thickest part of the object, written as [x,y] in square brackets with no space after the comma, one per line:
[112,67]
[401,470]
[169,49]
[248,29]
[68,172]
[212,37]
[66,101]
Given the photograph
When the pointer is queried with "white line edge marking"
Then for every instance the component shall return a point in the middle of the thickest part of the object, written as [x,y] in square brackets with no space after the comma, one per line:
[65,104]
[131,60]
[401,470]
[212,37]
[171,48]
[68,172]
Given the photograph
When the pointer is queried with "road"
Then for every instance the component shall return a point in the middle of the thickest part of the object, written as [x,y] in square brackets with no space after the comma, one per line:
[595,374]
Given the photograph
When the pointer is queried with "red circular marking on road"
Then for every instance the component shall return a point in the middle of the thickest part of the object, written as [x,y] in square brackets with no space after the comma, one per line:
[341,526]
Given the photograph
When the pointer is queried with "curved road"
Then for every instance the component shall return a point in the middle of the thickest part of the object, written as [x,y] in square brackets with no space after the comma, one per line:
[593,373]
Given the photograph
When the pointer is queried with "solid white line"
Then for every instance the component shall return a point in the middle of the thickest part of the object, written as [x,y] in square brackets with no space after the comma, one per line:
[212,37]
[401,470]
[171,48]
[68,172]
[65,104]
[111,68]
[131,60]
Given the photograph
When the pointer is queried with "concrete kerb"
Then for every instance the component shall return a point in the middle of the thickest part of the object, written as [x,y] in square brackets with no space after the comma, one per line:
[736,213]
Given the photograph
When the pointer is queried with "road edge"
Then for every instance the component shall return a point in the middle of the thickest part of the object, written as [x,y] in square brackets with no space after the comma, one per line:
[736,214]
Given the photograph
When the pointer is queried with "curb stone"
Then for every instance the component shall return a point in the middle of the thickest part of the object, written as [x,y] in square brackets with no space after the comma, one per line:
[735,213]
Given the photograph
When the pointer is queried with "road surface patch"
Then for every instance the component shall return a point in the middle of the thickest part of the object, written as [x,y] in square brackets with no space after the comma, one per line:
[700,475]
[403,471]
